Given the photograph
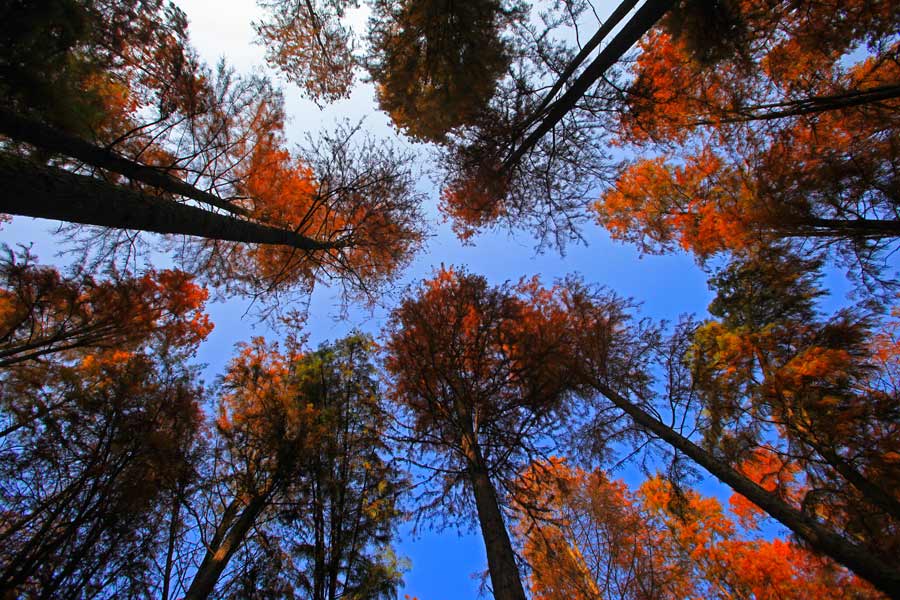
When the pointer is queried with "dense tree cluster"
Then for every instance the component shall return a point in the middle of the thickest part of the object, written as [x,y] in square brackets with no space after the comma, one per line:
[759,135]
[114,480]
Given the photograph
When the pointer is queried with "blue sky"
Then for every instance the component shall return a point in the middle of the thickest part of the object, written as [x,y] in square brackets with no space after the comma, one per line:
[445,565]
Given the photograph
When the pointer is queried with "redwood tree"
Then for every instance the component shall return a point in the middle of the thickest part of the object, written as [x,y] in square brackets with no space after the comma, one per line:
[476,370]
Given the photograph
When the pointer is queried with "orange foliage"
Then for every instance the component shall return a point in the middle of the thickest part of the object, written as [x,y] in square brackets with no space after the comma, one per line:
[776,50]
[499,343]
[475,202]
[704,206]
[362,216]
[771,472]
[805,408]
[261,401]
[42,312]
[587,537]
[758,95]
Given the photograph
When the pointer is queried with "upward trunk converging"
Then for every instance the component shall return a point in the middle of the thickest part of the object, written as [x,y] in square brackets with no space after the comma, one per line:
[501,559]
[855,557]
[45,192]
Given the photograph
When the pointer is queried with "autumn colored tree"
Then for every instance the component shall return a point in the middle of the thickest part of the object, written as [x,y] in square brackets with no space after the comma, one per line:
[768,121]
[597,538]
[171,149]
[541,151]
[45,313]
[762,126]
[643,391]
[309,44]
[773,375]
[90,453]
[473,77]
[476,370]
[301,491]
[436,64]
[100,420]
[715,64]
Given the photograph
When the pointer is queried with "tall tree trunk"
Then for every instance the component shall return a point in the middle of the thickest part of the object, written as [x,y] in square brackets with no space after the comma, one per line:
[645,18]
[505,577]
[851,555]
[230,537]
[845,228]
[174,520]
[617,15]
[34,190]
[43,136]
[807,106]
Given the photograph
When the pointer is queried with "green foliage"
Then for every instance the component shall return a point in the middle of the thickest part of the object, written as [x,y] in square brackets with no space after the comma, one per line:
[767,286]
[436,63]
[41,70]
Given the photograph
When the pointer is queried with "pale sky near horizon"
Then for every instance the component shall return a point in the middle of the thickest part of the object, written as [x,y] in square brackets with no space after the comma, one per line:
[445,566]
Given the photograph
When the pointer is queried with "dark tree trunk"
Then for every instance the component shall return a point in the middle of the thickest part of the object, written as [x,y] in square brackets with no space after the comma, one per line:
[645,18]
[34,190]
[47,138]
[174,519]
[617,15]
[230,535]
[807,106]
[845,228]
[851,555]
[505,578]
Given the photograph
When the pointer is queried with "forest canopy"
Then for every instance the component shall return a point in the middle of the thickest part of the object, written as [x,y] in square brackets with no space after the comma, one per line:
[737,440]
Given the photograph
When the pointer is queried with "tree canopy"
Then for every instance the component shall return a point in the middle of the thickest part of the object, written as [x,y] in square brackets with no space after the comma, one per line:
[745,446]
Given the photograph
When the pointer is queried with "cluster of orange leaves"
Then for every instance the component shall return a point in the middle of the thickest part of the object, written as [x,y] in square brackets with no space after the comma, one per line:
[701,206]
[473,202]
[40,308]
[596,538]
[785,175]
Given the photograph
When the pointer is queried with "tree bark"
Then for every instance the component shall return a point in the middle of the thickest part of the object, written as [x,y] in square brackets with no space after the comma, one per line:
[218,554]
[47,138]
[170,544]
[851,555]
[845,228]
[645,18]
[807,106]
[34,190]
[617,15]
[505,578]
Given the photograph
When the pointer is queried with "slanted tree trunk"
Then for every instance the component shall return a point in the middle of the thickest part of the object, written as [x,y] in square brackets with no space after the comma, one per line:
[807,106]
[505,577]
[229,536]
[845,228]
[174,524]
[34,190]
[617,15]
[47,138]
[645,18]
[820,538]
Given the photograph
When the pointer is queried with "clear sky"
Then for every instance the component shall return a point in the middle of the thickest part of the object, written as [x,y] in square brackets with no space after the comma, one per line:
[445,565]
